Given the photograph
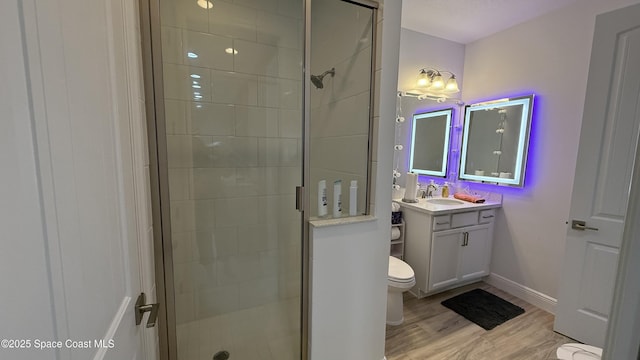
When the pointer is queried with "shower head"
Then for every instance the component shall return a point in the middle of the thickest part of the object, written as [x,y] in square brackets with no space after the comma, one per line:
[317,79]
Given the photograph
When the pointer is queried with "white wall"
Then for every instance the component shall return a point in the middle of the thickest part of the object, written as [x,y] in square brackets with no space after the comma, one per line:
[417,51]
[548,56]
[349,262]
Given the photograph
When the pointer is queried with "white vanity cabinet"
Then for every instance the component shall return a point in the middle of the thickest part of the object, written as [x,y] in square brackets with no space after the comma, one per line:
[459,255]
[448,248]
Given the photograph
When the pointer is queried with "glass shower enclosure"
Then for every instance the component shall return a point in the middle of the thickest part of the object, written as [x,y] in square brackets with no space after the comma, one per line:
[236,125]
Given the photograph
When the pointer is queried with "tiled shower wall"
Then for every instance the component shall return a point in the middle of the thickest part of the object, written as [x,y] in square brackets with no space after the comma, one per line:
[233,94]
[341,38]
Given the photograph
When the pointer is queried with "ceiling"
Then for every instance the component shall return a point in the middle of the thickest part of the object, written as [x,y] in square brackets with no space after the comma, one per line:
[465,21]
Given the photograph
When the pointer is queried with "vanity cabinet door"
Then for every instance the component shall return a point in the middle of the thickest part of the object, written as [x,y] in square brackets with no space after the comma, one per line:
[475,253]
[445,256]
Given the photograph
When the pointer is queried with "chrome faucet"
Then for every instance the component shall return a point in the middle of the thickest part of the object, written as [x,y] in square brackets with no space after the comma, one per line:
[430,189]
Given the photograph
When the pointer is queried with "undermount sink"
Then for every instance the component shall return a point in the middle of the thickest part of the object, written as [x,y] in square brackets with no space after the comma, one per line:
[445,202]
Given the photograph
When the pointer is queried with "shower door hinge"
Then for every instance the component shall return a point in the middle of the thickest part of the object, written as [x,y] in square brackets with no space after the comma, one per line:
[142,307]
[300,198]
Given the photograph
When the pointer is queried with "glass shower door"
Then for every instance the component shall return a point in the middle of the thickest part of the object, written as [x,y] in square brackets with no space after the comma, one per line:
[232,78]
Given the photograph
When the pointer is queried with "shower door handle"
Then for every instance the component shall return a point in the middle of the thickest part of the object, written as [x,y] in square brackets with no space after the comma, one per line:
[142,307]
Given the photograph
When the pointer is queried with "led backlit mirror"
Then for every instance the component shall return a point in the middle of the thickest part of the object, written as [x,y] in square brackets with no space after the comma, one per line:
[495,141]
[430,143]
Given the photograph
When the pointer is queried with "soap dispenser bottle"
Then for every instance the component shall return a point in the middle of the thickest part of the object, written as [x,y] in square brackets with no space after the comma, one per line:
[445,190]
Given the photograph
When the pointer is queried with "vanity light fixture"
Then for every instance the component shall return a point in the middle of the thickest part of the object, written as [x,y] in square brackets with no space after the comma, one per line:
[433,83]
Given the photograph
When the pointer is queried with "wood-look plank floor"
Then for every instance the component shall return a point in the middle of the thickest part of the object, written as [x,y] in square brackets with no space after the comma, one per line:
[431,331]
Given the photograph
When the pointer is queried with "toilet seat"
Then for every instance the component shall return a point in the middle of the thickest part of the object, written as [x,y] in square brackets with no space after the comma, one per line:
[400,271]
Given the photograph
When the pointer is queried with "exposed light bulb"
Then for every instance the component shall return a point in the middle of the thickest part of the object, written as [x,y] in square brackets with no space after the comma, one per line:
[192,55]
[400,119]
[231,51]
[205,4]
[195,76]
[398,147]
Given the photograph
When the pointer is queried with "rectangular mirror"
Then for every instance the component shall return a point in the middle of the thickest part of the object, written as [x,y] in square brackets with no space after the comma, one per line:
[430,143]
[495,141]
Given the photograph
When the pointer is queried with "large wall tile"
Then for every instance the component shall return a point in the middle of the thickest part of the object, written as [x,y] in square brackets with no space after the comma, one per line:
[250,181]
[184,14]
[179,82]
[290,123]
[346,154]
[290,63]
[204,215]
[185,308]
[257,238]
[237,211]
[282,180]
[234,88]
[219,243]
[279,30]
[291,8]
[221,300]
[233,20]
[224,151]
[209,183]
[211,119]
[264,5]
[255,58]
[182,245]
[348,116]
[182,216]
[172,45]
[174,117]
[256,121]
[207,50]
[179,151]
[258,292]
[281,93]
[180,183]
[278,152]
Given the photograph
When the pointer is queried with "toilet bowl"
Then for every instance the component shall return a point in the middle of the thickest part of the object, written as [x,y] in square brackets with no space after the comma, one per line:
[400,279]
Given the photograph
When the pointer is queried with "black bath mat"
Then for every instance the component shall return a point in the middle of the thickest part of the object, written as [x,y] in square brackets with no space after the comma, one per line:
[483,308]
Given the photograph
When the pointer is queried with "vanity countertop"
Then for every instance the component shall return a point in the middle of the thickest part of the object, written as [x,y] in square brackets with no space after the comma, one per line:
[429,207]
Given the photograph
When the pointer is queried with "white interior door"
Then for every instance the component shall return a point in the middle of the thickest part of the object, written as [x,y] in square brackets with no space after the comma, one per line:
[605,163]
[81,61]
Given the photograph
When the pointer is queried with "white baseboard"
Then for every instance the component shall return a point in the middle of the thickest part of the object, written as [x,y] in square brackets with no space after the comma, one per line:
[533,297]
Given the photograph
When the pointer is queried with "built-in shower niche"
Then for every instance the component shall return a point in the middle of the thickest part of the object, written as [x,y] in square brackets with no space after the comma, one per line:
[341,89]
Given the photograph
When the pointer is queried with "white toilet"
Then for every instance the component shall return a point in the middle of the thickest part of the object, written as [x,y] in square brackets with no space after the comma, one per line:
[401,278]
